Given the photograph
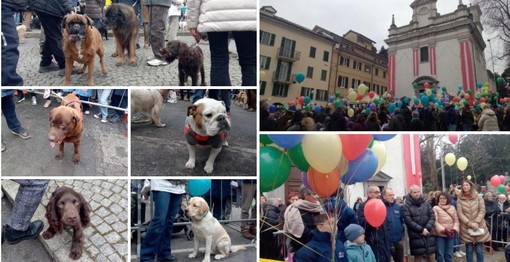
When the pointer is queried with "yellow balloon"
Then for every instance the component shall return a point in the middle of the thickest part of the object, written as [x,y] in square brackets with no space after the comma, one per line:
[486,84]
[352,96]
[449,159]
[350,112]
[343,166]
[379,150]
[262,75]
[362,89]
[323,152]
[469,178]
[428,92]
[462,163]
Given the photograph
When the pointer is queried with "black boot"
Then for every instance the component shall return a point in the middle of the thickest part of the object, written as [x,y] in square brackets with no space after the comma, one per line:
[13,236]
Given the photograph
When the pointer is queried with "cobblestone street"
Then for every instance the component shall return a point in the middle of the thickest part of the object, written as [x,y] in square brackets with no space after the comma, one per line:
[125,75]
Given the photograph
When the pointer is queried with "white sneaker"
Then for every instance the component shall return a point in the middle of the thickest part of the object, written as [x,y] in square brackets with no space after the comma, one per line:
[457,254]
[34,101]
[157,62]
[462,253]
[46,93]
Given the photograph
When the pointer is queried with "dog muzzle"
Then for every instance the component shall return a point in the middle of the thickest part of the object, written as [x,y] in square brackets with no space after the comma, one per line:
[76,32]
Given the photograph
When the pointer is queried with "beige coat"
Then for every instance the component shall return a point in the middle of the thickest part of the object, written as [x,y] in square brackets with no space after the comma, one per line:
[472,210]
[446,218]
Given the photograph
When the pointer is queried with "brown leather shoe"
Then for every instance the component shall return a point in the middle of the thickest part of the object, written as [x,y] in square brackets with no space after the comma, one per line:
[248,235]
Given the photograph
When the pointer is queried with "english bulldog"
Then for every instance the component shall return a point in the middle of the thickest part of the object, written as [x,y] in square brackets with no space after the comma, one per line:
[207,123]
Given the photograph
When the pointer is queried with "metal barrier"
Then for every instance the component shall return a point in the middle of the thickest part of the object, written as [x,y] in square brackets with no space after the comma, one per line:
[499,226]
[57,96]
[225,207]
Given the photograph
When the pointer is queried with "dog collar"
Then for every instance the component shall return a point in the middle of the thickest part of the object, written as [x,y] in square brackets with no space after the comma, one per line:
[200,138]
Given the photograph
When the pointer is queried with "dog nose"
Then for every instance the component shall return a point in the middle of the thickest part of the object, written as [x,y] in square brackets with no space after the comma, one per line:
[72,218]
[76,27]
[221,118]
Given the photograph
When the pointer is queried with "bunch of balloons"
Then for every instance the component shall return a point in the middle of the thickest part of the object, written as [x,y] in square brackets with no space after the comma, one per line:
[462,162]
[499,183]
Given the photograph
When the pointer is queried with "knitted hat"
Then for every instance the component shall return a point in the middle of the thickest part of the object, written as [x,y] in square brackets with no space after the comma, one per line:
[353,231]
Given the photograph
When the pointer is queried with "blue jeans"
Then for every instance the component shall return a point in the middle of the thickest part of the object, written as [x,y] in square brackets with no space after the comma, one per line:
[9,111]
[246,44]
[456,243]
[467,127]
[10,52]
[452,127]
[199,93]
[224,95]
[478,249]
[444,249]
[102,95]
[157,239]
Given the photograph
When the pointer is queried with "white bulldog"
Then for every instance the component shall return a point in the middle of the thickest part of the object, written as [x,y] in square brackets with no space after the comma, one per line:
[207,124]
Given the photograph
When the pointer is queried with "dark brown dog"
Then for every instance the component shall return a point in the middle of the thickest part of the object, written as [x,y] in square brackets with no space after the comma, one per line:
[191,61]
[68,208]
[66,126]
[122,19]
[82,41]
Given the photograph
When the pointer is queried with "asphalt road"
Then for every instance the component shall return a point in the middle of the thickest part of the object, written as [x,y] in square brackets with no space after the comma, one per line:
[163,152]
[103,150]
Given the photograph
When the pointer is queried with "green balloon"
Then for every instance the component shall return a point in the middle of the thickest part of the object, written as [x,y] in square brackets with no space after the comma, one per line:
[376,101]
[415,85]
[337,94]
[443,88]
[500,80]
[501,188]
[274,168]
[298,158]
[336,104]
[469,91]
[264,139]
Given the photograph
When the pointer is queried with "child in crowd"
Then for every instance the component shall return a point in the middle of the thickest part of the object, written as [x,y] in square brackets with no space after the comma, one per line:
[357,249]
[319,248]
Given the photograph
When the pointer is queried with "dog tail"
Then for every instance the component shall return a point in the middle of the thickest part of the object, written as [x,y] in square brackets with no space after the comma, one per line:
[234,249]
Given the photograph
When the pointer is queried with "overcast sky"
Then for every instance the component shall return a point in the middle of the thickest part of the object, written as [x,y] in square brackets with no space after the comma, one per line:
[371,18]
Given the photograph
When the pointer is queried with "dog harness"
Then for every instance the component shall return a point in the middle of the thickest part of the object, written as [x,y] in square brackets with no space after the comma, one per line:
[194,138]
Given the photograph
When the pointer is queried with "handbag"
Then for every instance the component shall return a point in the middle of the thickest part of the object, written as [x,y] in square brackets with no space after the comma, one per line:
[475,233]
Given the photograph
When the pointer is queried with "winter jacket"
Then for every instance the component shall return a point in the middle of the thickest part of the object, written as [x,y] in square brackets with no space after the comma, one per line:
[467,117]
[446,218]
[58,8]
[271,215]
[488,121]
[378,238]
[372,125]
[175,8]
[222,15]
[15,5]
[7,92]
[491,208]
[320,244]
[418,214]
[416,125]
[359,252]
[338,208]
[301,230]
[451,116]
[397,123]
[94,9]
[395,221]
[472,209]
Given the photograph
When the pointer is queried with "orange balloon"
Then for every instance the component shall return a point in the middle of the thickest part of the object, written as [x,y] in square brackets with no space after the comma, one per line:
[324,184]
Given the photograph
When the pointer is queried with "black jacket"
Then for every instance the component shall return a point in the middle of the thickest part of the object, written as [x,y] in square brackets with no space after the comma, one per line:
[418,214]
[58,8]
[15,5]
[379,238]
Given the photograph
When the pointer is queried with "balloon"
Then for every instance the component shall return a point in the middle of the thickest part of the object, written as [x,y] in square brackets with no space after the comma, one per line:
[307,100]
[354,145]
[380,152]
[453,138]
[198,187]
[428,92]
[392,107]
[331,99]
[449,159]
[425,101]
[361,168]
[336,104]
[343,166]
[443,88]
[372,107]
[381,137]
[415,85]
[371,94]
[501,188]
[500,80]
[298,158]
[352,96]
[304,180]
[300,77]
[469,178]
[301,100]
[376,101]
[462,163]
[317,109]
[367,111]
[507,188]
[362,89]
[375,212]
[324,184]
[272,109]
[495,181]
[274,168]
[264,139]
[350,112]
[399,104]
[323,152]
[502,179]
[286,141]
[479,85]
[426,85]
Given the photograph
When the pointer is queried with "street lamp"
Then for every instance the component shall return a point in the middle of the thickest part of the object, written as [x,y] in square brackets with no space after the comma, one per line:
[492,59]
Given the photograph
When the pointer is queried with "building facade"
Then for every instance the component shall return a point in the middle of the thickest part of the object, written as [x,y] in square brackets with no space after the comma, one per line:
[442,50]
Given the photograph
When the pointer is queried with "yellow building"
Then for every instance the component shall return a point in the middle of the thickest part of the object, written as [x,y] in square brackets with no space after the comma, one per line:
[355,61]
[286,50]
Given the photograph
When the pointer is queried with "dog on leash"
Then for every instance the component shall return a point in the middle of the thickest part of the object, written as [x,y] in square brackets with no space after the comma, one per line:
[150,101]
[183,26]
[191,61]
[22,31]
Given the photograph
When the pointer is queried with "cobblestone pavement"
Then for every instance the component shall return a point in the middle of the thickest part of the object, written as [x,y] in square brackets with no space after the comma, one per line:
[106,237]
[125,75]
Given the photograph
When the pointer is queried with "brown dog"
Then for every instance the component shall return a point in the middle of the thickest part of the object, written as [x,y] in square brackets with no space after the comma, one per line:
[66,126]
[122,19]
[82,41]
[191,61]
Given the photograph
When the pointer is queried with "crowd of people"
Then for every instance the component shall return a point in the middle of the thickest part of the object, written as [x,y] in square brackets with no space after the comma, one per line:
[384,117]
[437,226]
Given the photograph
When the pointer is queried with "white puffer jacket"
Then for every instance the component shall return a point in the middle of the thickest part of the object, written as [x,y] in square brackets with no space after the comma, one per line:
[222,15]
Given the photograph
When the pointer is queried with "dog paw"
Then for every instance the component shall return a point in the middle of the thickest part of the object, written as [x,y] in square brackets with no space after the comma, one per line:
[47,235]
[190,164]
[192,255]
[209,168]
[59,155]
[207,259]
[219,256]
[161,125]
[115,54]
[118,64]
[76,159]
[133,63]
[225,143]
[75,254]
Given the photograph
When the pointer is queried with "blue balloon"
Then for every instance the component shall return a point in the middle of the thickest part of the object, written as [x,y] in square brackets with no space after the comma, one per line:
[317,109]
[272,109]
[392,107]
[383,137]
[367,111]
[300,77]
[331,99]
[460,88]
[345,100]
[198,187]
[292,108]
[479,85]
[425,101]
[399,104]
[361,168]
[286,141]
[307,100]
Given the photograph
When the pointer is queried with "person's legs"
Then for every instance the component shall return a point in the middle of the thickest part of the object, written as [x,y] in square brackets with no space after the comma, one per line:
[440,249]
[448,250]
[469,252]
[199,94]
[9,111]
[27,200]
[10,52]
[86,106]
[479,252]
[398,255]
[246,44]
[248,192]
[218,45]
[165,247]
[172,28]
[225,97]
[157,30]
[53,40]
[103,95]
[153,238]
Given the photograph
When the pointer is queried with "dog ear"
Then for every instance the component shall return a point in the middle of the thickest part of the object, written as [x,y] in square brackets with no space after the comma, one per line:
[52,214]
[64,22]
[191,110]
[85,210]
[90,22]
[204,208]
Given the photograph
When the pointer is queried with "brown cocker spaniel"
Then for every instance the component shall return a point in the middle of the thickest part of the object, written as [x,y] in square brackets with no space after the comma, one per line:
[67,208]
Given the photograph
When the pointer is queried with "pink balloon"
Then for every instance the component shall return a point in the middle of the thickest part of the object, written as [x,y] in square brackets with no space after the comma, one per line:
[507,188]
[495,181]
[301,100]
[375,212]
[426,85]
[502,179]
[453,138]
[371,94]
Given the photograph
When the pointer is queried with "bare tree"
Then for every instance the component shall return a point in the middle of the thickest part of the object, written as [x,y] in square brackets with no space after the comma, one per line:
[496,16]
[429,144]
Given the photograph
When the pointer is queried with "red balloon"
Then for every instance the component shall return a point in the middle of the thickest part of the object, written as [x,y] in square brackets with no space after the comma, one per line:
[495,181]
[301,100]
[453,138]
[426,85]
[375,212]
[483,100]
[502,179]
[324,184]
[371,94]
[501,100]
[359,98]
[354,145]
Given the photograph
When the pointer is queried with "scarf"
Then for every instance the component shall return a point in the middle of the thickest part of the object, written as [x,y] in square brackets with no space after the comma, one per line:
[293,221]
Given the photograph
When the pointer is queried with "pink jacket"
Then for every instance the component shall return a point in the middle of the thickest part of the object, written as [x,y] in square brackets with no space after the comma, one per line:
[446,217]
